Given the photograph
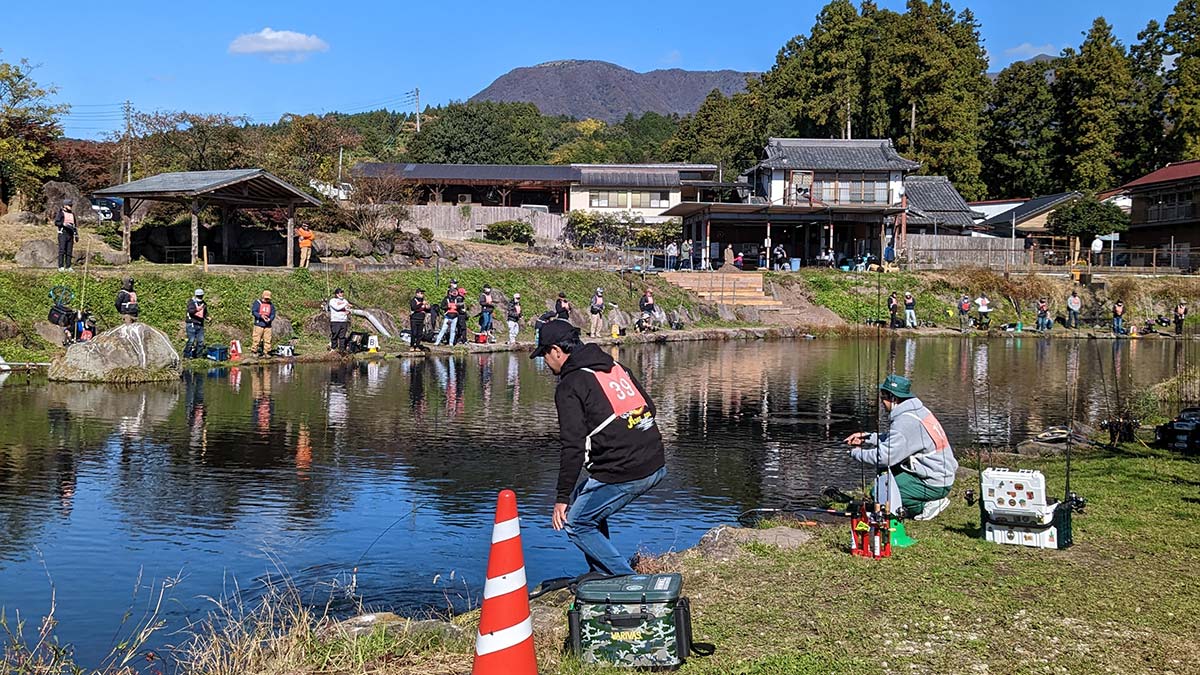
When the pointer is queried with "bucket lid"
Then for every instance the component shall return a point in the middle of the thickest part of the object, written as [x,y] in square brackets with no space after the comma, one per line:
[632,589]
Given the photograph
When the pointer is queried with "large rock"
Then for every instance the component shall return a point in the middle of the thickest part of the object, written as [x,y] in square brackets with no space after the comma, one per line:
[8,329]
[49,332]
[361,248]
[41,253]
[413,246]
[19,218]
[384,318]
[281,329]
[128,353]
[112,256]
[383,248]
[726,313]
[317,324]
[56,191]
[725,543]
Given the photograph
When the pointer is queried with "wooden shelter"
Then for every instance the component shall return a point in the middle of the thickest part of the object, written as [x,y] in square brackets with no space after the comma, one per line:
[227,190]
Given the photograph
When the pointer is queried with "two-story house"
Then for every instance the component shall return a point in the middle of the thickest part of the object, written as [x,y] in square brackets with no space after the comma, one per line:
[1165,208]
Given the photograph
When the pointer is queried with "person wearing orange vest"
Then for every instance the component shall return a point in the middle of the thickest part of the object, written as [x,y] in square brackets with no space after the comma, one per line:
[914,455]
[263,311]
[306,237]
[607,426]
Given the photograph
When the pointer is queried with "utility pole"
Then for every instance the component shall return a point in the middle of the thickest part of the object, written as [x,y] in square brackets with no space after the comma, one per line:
[339,182]
[128,141]
[417,93]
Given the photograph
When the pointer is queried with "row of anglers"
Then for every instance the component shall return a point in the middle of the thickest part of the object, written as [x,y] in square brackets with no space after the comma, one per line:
[1042,308]
[455,315]
[422,321]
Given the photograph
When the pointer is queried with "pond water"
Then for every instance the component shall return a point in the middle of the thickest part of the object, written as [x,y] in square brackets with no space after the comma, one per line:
[237,478]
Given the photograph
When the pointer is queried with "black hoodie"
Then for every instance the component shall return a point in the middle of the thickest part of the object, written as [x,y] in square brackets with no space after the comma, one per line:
[628,448]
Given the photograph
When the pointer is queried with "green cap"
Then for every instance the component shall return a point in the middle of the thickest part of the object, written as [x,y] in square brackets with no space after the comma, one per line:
[900,387]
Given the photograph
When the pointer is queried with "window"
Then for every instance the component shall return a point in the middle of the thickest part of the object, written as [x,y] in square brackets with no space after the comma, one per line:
[851,188]
[651,200]
[607,199]
[1170,206]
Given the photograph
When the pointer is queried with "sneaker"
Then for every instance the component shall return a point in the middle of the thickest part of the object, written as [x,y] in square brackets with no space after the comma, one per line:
[932,509]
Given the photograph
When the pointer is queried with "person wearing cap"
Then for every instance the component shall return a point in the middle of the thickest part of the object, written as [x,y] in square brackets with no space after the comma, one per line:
[964,311]
[914,452]
[127,301]
[449,315]
[910,311]
[985,310]
[514,318]
[607,426]
[562,307]
[1074,304]
[263,311]
[1181,311]
[339,321]
[487,307]
[306,237]
[416,321]
[197,314]
[1118,318]
[68,234]
[596,311]
[461,303]
[1043,314]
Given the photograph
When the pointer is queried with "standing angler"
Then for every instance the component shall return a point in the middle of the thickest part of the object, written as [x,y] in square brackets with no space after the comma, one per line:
[416,323]
[68,235]
[514,318]
[339,321]
[915,449]
[263,311]
[197,314]
[606,425]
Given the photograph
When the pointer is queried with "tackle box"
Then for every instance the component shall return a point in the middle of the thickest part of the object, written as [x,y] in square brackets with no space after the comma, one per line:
[637,621]
[1014,509]
[218,354]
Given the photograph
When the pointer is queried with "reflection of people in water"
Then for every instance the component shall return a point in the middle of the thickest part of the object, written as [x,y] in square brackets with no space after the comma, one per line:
[485,377]
[263,407]
[416,388]
[303,452]
[65,487]
[195,410]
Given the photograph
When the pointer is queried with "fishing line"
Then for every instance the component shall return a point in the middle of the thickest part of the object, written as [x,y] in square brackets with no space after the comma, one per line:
[878,391]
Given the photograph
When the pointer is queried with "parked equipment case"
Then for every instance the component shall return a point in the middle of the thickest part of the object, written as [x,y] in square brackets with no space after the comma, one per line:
[638,621]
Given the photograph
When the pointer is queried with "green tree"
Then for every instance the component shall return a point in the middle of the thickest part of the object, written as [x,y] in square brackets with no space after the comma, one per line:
[1086,217]
[833,63]
[28,126]
[1143,144]
[485,132]
[1019,133]
[305,147]
[1091,88]
[1182,101]
[724,131]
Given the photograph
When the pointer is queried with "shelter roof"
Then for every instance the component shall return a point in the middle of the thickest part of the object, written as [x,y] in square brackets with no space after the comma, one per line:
[1030,209]
[933,199]
[835,154]
[248,188]
[1168,174]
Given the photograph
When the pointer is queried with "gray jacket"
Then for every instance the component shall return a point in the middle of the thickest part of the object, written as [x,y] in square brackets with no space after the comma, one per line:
[916,442]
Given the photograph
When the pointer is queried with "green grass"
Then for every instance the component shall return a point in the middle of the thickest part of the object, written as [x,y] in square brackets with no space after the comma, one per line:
[163,293]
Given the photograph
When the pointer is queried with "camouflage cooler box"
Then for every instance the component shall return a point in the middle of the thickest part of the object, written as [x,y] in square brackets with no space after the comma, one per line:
[637,621]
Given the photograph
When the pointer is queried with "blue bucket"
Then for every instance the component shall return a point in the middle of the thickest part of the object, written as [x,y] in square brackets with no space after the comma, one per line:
[795,264]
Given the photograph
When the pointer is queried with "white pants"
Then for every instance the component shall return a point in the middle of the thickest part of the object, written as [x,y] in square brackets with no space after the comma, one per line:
[513,328]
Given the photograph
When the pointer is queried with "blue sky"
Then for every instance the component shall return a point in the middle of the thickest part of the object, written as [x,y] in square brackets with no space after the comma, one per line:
[219,56]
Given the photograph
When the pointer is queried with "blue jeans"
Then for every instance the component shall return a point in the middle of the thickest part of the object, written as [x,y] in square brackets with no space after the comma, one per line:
[1072,318]
[671,260]
[195,341]
[448,323]
[1118,325]
[910,318]
[592,503]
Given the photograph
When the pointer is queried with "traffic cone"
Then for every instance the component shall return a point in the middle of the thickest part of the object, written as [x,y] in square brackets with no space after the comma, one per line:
[504,644]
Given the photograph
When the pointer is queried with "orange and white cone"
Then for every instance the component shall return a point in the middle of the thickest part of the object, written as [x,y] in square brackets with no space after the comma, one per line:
[504,645]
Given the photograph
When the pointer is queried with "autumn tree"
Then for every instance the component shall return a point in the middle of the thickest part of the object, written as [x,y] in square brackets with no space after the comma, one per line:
[28,125]
[183,141]
[89,165]
[305,147]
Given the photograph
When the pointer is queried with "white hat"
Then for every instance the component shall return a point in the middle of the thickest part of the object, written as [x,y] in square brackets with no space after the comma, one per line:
[199,292]
[516,296]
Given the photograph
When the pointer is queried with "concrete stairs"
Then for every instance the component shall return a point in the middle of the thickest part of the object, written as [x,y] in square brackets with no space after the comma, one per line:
[737,289]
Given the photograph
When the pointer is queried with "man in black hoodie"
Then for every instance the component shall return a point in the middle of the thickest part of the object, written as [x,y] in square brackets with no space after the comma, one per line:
[607,426]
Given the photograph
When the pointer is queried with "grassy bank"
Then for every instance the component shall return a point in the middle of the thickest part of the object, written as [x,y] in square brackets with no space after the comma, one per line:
[1121,600]
[163,293]
[858,297]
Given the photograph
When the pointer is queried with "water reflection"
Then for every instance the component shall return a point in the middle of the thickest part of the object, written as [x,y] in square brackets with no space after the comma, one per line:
[392,467]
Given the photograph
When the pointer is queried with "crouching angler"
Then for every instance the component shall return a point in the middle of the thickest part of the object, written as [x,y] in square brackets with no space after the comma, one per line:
[914,455]
[606,426]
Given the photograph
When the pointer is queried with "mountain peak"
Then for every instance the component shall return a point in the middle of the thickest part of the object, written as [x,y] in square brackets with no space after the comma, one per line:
[607,91]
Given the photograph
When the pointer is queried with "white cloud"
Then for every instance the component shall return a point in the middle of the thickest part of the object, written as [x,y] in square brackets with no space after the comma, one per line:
[671,58]
[1026,50]
[280,46]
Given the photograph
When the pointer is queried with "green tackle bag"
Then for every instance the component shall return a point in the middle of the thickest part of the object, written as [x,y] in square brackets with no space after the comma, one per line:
[637,621]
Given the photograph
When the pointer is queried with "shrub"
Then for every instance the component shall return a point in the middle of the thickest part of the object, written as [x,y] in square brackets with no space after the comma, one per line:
[426,233]
[510,230]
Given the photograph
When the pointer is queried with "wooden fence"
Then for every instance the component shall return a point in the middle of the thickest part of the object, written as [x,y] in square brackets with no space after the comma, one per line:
[937,251]
[450,221]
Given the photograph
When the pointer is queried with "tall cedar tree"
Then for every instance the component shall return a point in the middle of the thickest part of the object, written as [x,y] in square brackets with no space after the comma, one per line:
[1143,144]
[834,59]
[1091,88]
[1020,133]
[1183,82]
[725,131]
[484,132]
